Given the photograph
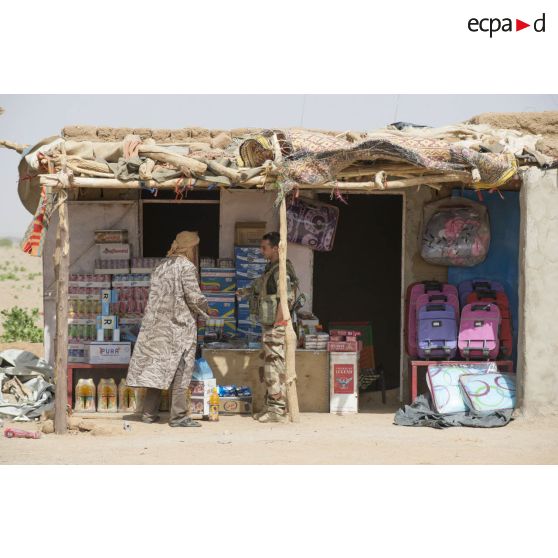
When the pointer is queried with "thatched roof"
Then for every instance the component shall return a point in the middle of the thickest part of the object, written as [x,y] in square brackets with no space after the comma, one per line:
[477,155]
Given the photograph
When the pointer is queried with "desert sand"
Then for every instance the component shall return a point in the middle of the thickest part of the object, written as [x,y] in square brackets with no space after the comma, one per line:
[366,438]
[21,281]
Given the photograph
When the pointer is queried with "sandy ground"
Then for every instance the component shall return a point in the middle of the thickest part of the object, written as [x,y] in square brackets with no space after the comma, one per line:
[21,281]
[368,438]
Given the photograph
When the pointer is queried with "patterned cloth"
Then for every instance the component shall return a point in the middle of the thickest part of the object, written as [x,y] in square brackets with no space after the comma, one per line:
[310,165]
[168,330]
[273,342]
[34,237]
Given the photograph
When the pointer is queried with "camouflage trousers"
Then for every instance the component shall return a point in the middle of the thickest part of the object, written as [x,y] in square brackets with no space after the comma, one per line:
[273,342]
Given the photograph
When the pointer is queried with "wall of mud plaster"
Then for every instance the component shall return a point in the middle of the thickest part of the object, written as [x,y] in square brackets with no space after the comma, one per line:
[538,296]
[414,267]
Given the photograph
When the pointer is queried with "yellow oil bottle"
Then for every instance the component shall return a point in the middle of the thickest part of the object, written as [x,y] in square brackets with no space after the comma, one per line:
[214,406]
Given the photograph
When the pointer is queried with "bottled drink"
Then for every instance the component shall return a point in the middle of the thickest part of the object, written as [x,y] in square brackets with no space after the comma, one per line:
[214,406]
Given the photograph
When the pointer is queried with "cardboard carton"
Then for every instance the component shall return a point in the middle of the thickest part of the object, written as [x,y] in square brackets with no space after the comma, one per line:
[107,353]
[235,405]
[214,279]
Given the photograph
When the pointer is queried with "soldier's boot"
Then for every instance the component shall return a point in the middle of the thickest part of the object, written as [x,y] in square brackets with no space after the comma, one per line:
[270,416]
[261,413]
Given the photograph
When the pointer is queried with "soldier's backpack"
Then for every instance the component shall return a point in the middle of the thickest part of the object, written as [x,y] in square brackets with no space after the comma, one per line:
[264,305]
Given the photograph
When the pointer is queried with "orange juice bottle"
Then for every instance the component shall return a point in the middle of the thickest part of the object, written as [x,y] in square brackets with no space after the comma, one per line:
[214,405]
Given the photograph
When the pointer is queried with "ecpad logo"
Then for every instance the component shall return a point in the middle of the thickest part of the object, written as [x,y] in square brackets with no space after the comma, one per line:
[494,24]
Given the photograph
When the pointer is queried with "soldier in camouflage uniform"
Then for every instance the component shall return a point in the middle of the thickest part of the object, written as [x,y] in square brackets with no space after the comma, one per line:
[266,309]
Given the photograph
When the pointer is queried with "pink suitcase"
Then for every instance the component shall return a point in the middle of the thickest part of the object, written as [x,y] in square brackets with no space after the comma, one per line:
[479,331]
[414,291]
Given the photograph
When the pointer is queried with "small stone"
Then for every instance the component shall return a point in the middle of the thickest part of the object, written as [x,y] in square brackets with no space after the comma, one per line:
[74,422]
[102,431]
[48,427]
[86,426]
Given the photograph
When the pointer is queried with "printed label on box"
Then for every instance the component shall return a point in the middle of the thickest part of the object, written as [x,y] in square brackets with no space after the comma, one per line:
[251,274]
[114,251]
[218,280]
[343,377]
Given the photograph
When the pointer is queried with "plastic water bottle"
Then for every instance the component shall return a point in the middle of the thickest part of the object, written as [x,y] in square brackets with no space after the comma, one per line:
[214,406]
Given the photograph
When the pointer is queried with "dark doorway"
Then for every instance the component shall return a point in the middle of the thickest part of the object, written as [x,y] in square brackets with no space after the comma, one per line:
[163,221]
[360,279]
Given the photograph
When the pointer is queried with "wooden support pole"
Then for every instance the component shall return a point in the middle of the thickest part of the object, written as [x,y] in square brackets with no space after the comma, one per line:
[389,185]
[259,182]
[62,267]
[87,182]
[290,336]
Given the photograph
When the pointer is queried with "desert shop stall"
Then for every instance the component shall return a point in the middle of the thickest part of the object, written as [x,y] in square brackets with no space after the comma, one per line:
[364,218]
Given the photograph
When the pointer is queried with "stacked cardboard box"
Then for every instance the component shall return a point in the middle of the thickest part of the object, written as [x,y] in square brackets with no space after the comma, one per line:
[249,264]
[219,287]
[344,341]
[200,391]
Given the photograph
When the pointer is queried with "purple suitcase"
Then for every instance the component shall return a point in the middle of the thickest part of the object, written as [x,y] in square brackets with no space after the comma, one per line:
[437,331]
[479,331]
[465,288]
[448,297]
[413,293]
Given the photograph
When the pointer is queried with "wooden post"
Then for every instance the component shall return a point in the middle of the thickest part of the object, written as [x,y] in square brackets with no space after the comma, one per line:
[290,336]
[62,266]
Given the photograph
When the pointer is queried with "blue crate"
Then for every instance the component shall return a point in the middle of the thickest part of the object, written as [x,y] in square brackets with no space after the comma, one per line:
[218,279]
[249,254]
[242,283]
[246,266]
[250,273]
[221,305]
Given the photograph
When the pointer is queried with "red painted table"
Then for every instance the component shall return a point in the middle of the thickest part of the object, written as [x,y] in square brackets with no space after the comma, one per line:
[82,365]
[414,365]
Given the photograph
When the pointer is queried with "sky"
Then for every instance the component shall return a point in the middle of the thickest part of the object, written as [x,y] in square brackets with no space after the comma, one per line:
[30,118]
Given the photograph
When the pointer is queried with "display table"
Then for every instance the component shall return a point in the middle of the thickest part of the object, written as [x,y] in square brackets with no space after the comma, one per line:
[84,366]
[242,367]
[414,365]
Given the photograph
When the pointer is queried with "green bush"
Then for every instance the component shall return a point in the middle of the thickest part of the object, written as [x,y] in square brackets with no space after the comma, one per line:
[19,325]
[6,243]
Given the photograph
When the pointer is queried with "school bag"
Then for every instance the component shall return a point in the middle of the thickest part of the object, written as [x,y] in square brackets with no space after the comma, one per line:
[437,331]
[465,288]
[478,331]
[506,330]
[414,291]
[447,297]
